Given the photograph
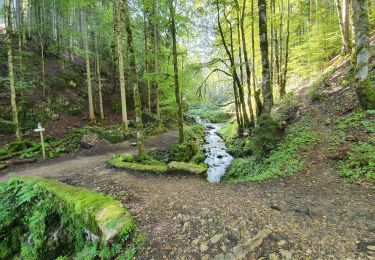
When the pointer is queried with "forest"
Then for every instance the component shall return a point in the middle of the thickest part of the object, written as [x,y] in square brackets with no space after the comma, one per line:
[187,129]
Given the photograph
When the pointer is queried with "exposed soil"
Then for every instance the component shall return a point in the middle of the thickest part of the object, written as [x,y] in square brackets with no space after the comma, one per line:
[311,215]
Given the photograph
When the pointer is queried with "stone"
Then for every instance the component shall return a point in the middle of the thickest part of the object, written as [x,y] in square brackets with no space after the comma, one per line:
[203,248]
[216,238]
[187,167]
[205,257]
[371,247]
[273,256]
[195,242]
[285,254]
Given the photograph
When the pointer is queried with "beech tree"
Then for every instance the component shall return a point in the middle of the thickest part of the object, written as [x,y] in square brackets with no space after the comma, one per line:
[10,33]
[365,89]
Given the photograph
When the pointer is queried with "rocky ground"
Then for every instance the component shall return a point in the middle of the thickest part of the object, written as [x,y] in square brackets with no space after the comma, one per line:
[311,215]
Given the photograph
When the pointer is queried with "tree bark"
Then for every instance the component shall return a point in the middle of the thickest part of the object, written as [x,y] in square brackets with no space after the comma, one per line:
[258,102]
[136,92]
[10,33]
[343,16]
[365,88]
[121,67]
[176,80]
[266,81]
[247,66]
[98,75]
[88,68]
[156,57]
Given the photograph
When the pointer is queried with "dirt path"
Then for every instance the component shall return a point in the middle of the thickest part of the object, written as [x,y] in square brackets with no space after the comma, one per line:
[311,215]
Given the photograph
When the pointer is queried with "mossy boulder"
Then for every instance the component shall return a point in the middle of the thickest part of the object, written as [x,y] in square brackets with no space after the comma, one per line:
[104,216]
[46,219]
[155,167]
[187,167]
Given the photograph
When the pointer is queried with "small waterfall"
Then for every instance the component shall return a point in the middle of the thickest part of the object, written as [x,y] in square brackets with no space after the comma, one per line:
[217,157]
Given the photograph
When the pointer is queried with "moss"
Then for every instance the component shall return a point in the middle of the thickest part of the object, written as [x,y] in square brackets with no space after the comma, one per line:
[155,168]
[126,157]
[187,167]
[103,215]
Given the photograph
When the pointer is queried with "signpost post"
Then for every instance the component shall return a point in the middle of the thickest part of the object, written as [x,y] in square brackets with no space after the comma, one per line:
[40,129]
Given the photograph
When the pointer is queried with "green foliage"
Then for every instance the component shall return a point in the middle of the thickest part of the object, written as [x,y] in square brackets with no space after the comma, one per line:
[113,134]
[43,219]
[360,162]
[287,158]
[184,152]
[361,119]
[126,157]
[265,136]
[211,112]
[285,109]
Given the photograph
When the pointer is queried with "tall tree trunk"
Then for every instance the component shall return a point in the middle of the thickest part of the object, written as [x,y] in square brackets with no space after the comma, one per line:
[286,60]
[258,102]
[247,65]
[88,68]
[13,101]
[121,67]
[229,53]
[176,80]
[156,57]
[148,92]
[98,75]
[343,16]
[266,82]
[365,88]
[136,92]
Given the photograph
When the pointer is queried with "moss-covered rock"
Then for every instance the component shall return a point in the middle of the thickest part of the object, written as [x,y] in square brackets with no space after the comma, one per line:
[140,167]
[103,215]
[187,167]
[46,219]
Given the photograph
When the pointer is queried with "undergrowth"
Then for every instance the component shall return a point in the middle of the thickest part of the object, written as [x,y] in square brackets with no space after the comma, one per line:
[41,219]
[287,158]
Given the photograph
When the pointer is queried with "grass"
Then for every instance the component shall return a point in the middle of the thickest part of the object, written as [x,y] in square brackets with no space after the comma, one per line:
[286,159]
[211,112]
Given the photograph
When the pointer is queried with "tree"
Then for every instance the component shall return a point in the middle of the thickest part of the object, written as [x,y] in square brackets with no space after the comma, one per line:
[365,89]
[175,68]
[134,80]
[263,42]
[121,67]
[88,68]
[343,16]
[10,33]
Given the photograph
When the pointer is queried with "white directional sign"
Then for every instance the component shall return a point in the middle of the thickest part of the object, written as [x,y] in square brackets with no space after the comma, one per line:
[40,129]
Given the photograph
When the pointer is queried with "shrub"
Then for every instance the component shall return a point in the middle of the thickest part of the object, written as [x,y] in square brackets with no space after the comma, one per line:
[213,113]
[184,152]
[126,157]
[266,136]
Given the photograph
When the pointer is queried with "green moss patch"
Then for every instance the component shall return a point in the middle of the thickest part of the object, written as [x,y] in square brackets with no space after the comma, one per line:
[187,167]
[46,219]
[140,167]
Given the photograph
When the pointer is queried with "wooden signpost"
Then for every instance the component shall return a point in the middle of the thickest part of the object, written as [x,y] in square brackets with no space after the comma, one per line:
[40,129]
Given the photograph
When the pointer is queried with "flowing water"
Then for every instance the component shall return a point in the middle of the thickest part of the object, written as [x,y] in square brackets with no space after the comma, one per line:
[217,157]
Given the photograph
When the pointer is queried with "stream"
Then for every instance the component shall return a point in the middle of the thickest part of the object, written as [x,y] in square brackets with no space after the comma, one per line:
[217,157]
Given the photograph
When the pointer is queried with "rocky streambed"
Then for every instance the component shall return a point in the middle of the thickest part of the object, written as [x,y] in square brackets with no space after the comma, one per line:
[217,157]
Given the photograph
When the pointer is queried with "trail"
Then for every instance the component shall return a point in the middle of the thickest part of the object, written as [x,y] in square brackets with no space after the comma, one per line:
[312,214]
